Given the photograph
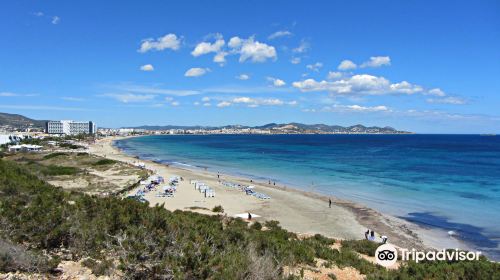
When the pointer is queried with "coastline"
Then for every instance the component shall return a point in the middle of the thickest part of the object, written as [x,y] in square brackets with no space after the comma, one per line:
[299,211]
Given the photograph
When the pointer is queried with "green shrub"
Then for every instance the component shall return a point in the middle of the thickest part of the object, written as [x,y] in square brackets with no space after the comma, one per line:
[53,155]
[105,161]
[364,246]
[218,209]
[56,170]
[69,146]
[98,268]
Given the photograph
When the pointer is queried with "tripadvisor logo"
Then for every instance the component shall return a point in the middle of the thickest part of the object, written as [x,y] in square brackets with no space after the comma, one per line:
[387,255]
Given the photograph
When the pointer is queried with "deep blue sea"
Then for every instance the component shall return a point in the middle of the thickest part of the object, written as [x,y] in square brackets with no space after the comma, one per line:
[450,182]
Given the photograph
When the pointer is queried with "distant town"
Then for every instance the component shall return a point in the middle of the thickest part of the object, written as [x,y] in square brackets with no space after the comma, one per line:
[14,127]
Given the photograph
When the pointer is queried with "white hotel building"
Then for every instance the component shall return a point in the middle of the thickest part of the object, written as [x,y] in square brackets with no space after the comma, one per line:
[67,127]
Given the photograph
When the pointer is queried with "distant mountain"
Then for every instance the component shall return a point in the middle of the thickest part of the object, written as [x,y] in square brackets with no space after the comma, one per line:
[286,127]
[19,122]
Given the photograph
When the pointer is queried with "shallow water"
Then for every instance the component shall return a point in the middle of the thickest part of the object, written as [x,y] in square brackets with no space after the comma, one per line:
[450,182]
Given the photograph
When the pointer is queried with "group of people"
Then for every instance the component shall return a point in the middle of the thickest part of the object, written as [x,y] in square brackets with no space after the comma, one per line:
[370,235]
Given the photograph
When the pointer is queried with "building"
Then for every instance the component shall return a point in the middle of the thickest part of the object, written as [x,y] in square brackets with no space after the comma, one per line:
[25,148]
[67,127]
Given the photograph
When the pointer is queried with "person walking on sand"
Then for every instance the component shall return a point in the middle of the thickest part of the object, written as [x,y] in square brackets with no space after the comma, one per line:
[249,216]
[329,203]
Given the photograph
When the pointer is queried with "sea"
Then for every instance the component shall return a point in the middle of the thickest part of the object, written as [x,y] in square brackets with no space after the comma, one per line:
[448,182]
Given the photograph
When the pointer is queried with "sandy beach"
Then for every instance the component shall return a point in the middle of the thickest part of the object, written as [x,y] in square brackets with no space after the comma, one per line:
[298,211]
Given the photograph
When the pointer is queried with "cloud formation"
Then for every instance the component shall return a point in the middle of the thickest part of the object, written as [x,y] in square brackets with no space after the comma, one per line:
[169,41]
[447,100]
[55,20]
[315,67]
[358,84]
[147,68]
[276,82]
[129,97]
[354,108]
[377,61]
[347,65]
[243,77]
[255,102]
[196,72]
[251,50]
[278,34]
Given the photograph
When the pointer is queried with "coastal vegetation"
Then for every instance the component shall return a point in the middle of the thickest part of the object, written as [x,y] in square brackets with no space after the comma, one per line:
[46,224]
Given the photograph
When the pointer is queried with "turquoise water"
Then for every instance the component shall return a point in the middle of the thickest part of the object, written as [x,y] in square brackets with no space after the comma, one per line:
[450,182]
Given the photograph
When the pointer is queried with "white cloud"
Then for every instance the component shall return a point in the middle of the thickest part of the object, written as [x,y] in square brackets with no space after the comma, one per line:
[276,82]
[278,34]
[169,41]
[243,77]
[302,48]
[207,104]
[223,104]
[377,61]
[205,99]
[147,67]
[74,99]
[12,94]
[168,99]
[175,103]
[447,100]
[255,102]
[153,90]
[235,42]
[355,108]
[206,47]
[243,100]
[346,65]
[295,60]
[358,84]
[196,72]
[196,103]
[315,67]
[292,103]
[405,87]
[130,97]
[8,94]
[334,75]
[38,14]
[56,20]
[220,58]
[252,50]
[436,92]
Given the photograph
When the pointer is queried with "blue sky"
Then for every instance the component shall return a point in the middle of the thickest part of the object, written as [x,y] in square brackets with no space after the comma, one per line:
[424,66]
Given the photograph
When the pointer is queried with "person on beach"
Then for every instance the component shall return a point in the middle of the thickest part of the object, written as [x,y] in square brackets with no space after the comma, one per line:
[384,239]
[367,232]
[329,203]
[372,236]
[249,216]
[218,175]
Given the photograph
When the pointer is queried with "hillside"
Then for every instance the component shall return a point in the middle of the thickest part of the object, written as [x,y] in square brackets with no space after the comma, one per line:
[292,127]
[43,227]
[19,122]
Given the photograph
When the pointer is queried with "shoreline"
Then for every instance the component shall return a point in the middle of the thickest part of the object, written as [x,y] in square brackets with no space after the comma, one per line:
[300,211]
